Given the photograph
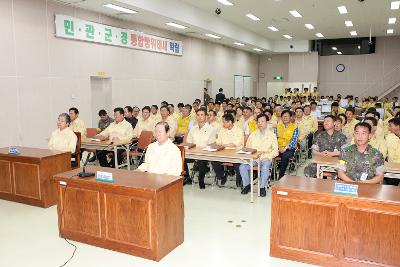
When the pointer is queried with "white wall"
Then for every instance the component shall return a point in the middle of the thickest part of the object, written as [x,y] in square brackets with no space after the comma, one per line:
[39,73]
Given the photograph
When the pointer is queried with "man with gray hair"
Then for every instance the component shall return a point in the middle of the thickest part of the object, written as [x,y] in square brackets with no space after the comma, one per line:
[63,139]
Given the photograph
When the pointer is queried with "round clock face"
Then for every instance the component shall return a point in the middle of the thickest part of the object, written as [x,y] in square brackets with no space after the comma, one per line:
[340,68]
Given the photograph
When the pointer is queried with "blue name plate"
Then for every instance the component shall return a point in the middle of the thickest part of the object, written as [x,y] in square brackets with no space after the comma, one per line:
[346,189]
[104,177]
[13,150]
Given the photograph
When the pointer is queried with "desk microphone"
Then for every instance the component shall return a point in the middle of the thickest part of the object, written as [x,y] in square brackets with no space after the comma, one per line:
[84,174]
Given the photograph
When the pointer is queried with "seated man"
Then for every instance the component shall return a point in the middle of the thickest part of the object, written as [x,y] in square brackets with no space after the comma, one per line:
[393,146]
[327,143]
[202,134]
[307,126]
[63,139]
[155,115]
[348,129]
[377,141]
[288,135]
[162,156]
[183,124]
[104,121]
[77,124]
[361,162]
[120,131]
[212,120]
[265,142]
[231,137]
[145,123]
[128,114]
[167,118]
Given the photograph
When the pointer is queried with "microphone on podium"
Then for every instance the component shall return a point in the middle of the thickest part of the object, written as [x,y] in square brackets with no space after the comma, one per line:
[84,174]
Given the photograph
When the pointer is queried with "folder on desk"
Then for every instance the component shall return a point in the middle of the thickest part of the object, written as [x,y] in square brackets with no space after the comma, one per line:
[247,151]
[188,145]
[214,148]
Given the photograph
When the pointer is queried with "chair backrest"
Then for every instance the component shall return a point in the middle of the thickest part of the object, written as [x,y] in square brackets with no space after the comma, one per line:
[77,154]
[90,132]
[145,139]
[183,154]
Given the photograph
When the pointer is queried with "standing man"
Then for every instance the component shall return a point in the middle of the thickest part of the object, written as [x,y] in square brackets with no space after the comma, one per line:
[265,142]
[361,162]
[220,96]
[77,124]
[206,97]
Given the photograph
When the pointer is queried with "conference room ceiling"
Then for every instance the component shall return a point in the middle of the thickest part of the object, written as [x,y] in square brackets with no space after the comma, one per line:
[235,27]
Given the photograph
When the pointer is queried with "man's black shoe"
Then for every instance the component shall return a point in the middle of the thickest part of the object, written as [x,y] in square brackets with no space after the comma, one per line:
[245,190]
[263,193]
[187,180]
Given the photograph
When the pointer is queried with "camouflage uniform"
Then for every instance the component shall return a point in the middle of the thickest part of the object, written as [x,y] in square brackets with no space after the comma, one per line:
[323,141]
[361,166]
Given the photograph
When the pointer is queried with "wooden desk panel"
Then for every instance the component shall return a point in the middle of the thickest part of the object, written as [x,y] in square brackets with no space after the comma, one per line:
[26,177]
[312,224]
[139,214]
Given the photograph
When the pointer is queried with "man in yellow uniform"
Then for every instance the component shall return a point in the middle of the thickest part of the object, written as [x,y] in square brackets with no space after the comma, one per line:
[288,135]
[145,123]
[315,93]
[307,127]
[249,125]
[175,114]
[77,124]
[155,115]
[276,117]
[63,139]
[231,137]
[348,129]
[265,142]
[183,124]
[165,117]
[377,141]
[120,131]
[212,120]
[162,156]
[306,93]
[202,134]
[336,110]
[393,145]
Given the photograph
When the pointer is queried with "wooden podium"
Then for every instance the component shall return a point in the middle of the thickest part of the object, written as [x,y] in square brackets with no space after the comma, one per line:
[312,224]
[139,213]
[27,177]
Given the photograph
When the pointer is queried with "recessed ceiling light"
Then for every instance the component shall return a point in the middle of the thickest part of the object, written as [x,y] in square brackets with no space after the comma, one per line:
[172,24]
[272,28]
[309,26]
[390,31]
[239,44]
[252,17]
[348,23]
[295,14]
[319,35]
[395,5]
[334,48]
[339,53]
[213,36]
[257,49]
[342,9]
[287,36]
[225,2]
[392,20]
[120,8]
[353,33]
[359,47]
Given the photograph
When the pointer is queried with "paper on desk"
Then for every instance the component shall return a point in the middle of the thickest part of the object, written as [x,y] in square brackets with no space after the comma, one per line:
[244,152]
[210,149]
[95,139]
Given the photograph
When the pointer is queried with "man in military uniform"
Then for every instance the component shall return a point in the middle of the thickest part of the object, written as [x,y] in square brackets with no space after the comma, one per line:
[361,162]
[326,143]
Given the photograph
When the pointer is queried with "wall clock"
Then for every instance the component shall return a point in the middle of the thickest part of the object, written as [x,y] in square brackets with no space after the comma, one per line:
[340,68]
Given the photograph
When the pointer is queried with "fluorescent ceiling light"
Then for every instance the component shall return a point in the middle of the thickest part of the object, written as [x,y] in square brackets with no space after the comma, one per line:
[342,9]
[213,36]
[295,14]
[334,48]
[225,2]
[390,31]
[348,23]
[252,17]
[287,36]
[359,47]
[395,5]
[392,20]
[257,49]
[176,25]
[309,26]
[239,44]
[120,8]
[272,28]
[339,53]
[353,33]
[319,35]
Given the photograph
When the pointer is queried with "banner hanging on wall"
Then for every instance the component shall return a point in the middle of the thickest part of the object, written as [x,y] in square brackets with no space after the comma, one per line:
[77,29]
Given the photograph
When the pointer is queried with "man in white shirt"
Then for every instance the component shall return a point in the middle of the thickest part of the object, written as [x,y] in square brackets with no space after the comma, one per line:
[162,156]
[63,139]
[120,131]
[315,112]
[77,124]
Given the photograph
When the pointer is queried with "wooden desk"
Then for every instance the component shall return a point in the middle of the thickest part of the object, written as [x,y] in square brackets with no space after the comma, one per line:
[392,170]
[325,164]
[312,224]
[228,155]
[89,144]
[139,213]
[26,177]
